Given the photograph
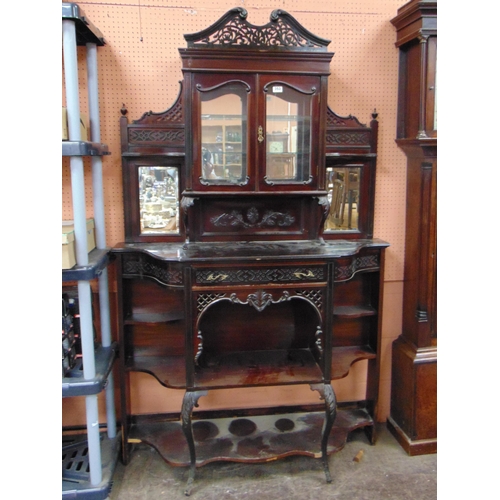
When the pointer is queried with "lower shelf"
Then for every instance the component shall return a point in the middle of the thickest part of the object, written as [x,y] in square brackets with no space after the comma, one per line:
[259,438]
[170,370]
[75,467]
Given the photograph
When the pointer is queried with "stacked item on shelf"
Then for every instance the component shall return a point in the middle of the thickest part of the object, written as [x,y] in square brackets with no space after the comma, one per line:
[68,338]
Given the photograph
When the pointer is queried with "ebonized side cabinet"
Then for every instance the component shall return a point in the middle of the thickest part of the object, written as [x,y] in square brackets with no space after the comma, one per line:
[249,258]
[413,417]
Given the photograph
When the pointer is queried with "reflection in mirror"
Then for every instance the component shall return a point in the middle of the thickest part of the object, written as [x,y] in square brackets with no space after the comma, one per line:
[223,141]
[288,128]
[343,194]
[159,200]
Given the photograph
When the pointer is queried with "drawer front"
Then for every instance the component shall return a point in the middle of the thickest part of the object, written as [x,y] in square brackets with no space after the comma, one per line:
[260,275]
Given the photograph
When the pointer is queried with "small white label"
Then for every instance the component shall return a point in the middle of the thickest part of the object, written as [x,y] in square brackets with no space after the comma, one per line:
[277,89]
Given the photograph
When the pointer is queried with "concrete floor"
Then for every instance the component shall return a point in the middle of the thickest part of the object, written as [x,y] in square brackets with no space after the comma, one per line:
[384,472]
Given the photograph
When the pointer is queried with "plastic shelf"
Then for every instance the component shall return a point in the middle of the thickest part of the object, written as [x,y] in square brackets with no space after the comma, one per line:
[86,32]
[75,385]
[98,260]
[88,461]
[84,148]
[75,473]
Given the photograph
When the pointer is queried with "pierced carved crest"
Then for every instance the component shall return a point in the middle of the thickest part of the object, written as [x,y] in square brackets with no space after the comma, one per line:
[283,32]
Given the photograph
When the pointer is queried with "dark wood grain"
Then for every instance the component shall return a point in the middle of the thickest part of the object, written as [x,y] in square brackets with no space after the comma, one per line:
[251,292]
[413,417]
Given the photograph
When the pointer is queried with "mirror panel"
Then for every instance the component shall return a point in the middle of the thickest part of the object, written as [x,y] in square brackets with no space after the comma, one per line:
[159,200]
[223,135]
[288,134]
[343,184]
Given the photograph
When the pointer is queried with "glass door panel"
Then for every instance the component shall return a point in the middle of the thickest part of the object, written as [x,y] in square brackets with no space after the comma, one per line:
[223,134]
[288,134]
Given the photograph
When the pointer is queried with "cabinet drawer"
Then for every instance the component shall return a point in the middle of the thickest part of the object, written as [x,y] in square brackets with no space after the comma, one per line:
[262,274]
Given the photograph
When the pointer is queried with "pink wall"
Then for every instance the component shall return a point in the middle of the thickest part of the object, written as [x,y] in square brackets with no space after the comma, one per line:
[140,67]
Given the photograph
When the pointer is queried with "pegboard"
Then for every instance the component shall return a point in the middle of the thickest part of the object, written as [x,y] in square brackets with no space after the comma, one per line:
[140,67]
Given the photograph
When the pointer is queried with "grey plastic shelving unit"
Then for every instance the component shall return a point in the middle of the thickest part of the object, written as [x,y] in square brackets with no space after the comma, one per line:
[88,460]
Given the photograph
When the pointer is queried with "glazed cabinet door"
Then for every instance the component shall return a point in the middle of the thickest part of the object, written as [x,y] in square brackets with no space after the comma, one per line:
[222,156]
[288,128]
[254,132]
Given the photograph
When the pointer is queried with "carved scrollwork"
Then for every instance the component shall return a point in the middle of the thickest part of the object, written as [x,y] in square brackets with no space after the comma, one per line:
[233,29]
[186,203]
[236,219]
[318,336]
[328,395]
[324,202]
[260,299]
[199,351]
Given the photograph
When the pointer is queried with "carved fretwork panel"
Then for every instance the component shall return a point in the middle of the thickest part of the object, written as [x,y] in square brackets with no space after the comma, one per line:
[344,272]
[206,299]
[141,265]
[313,295]
[260,299]
[260,275]
[283,31]
[173,115]
[156,136]
[163,131]
[347,138]
[346,134]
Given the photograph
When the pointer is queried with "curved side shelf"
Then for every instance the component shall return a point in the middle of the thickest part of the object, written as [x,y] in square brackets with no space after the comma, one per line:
[168,370]
[154,318]
[75,385]
[353,312]
[344,357]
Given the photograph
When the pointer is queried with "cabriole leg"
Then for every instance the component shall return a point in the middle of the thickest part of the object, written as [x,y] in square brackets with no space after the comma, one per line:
[188,403]
[328,395]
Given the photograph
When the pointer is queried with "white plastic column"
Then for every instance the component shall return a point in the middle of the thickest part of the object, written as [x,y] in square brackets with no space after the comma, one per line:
[79,216]
[100,228]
